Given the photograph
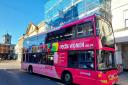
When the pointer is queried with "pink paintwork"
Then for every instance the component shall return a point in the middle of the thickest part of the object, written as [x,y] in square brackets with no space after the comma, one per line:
[60,59]
[47,70]
[78,44]
[80,76]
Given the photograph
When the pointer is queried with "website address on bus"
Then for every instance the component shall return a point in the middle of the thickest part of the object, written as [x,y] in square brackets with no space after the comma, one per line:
[75,45]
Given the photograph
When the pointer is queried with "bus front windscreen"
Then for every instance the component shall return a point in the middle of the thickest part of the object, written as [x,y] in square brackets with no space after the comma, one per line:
[104,30]
[105,60]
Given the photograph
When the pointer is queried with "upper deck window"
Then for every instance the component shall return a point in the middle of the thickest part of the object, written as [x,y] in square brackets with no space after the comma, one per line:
[69,33]
[85,29]
[72,32]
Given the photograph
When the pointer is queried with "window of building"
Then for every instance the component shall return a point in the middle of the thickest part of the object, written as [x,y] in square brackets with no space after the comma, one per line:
[126,17]
[126,22]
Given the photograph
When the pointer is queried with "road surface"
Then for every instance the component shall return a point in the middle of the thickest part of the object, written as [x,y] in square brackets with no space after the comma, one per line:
[17,77]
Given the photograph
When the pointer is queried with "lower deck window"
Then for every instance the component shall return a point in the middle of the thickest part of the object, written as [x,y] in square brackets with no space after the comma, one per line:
[81,59]
[39,58]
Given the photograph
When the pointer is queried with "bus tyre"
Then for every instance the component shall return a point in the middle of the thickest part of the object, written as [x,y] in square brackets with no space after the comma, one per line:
[67,78]
[30,69]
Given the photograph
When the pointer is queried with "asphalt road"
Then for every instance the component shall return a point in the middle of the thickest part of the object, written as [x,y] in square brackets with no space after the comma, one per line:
[17,77]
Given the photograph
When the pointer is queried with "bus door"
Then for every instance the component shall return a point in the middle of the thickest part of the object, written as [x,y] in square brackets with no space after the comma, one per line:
[83,64]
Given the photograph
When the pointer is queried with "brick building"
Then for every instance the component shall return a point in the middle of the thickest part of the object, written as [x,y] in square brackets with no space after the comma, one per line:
[6,48]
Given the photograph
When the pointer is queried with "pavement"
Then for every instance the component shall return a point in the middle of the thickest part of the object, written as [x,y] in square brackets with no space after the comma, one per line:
[123,78]
[10,64]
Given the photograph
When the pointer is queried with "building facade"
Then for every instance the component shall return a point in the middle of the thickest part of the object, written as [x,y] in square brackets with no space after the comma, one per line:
[6,48]
[19,47]
[60,12]
[120,26]
[7,39]
[31,30]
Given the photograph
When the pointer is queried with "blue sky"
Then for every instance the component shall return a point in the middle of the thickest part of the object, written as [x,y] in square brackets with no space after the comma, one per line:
[15,15]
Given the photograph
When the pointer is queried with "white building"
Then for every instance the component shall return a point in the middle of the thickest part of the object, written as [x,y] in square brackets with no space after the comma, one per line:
[120,25]
[30,31]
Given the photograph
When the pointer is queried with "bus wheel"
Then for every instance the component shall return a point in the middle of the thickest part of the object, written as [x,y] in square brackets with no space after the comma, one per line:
[67,78]
[30,69]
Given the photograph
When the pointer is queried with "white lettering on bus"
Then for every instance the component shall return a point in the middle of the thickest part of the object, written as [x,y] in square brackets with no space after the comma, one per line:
[65,46]
[75,45]
[79,45]
[91,45]
[72,46]
[88,45]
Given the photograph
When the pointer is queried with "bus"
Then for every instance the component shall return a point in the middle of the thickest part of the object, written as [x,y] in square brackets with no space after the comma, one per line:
[81,52]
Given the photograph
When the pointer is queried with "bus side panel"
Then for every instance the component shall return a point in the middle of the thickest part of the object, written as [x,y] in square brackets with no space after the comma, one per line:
[60,59]
[84,77]
[81,77]
[46,70]
[24,66]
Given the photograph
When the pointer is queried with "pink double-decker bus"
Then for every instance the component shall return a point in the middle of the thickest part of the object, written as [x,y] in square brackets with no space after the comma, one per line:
[81,52]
